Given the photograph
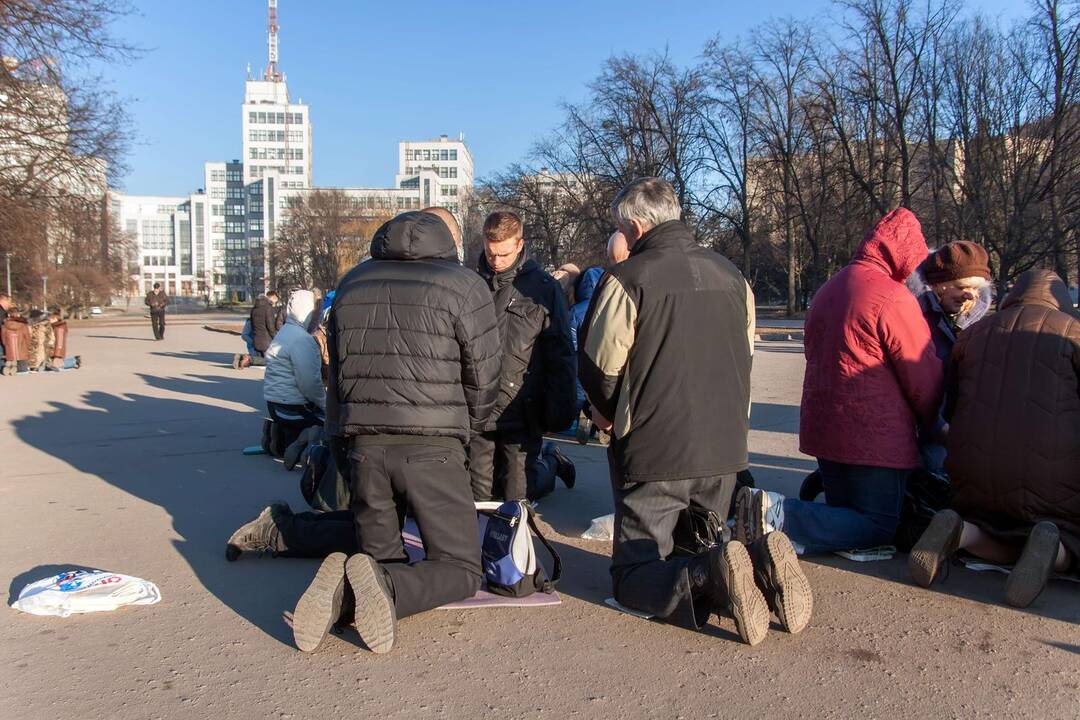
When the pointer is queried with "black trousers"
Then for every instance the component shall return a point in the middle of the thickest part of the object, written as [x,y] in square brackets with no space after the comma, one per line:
[433,482]
[157,322]
[644,575]
[316,535]
[503,465]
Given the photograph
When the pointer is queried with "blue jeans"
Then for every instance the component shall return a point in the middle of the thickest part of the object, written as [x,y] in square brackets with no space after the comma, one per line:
[861,509]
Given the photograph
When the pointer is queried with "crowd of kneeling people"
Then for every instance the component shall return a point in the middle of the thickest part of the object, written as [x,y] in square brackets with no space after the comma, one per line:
[435,385]
[33,342]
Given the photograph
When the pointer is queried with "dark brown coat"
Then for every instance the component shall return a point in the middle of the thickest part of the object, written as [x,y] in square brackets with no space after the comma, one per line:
[1014,439]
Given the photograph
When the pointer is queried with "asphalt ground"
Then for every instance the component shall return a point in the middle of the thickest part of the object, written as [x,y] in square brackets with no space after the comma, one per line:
[133,465]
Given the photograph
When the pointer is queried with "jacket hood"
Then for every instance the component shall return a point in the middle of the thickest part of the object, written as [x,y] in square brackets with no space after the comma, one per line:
[301,305]
[895,245]
[413,236]
[918,285]
[587,284]
[1040,287]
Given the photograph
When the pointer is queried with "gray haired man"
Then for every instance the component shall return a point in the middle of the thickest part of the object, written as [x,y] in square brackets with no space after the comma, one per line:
[664,358]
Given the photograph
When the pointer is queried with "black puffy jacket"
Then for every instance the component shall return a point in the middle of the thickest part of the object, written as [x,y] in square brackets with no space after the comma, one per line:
[413,345]
[539,369]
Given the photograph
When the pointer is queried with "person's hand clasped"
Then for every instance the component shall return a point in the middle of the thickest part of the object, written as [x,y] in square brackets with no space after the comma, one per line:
[600,421]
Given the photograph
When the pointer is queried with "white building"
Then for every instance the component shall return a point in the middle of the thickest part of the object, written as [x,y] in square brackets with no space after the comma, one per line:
[159,230]
[276,134]
[448,160]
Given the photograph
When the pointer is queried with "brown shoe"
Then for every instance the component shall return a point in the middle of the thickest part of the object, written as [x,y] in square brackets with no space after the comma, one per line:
[936,545]
[1032,570]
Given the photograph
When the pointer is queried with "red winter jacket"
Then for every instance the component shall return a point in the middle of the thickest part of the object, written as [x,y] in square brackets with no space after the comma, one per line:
[871,370]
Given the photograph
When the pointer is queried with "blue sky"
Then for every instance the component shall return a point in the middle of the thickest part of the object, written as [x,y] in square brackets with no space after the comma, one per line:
[375,73]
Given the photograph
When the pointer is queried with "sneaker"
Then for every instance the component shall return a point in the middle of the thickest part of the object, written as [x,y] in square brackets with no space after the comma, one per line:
[757,513]
[78,362]
[375,615]
[564,466]
[236,361]
[938,543]
[1032,570]
[259,535]
[781,580]
[319,608]
[731,574]
[245,361]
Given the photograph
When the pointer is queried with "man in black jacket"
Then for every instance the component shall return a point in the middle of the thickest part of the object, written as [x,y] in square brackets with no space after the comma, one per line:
[537,385]
[414,364]
[664,357]
[157,300]
[265,322]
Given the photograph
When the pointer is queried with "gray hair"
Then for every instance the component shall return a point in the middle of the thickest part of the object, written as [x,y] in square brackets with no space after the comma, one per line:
[649,200]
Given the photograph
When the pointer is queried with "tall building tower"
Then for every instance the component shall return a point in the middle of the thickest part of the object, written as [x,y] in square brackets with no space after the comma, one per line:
[277,133]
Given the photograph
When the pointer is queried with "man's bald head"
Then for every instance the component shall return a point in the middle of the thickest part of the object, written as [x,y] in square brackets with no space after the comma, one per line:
[617,248]
[447,217]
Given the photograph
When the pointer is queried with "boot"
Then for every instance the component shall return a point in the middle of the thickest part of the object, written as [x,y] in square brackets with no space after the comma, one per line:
[564,467]
[732,585]
[258,535]
[584,428]
[320,607]
[780,578]
[375,615]
[1032,570]
[938,543]
[811,487]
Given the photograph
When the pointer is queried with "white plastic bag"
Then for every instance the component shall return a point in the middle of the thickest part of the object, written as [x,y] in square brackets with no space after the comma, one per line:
[84,591]
[602,528]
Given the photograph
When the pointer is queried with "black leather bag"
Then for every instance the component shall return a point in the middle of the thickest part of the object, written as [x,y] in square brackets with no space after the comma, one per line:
[697,531]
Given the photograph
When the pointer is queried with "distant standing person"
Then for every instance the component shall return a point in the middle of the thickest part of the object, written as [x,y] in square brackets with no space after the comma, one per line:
[156,300]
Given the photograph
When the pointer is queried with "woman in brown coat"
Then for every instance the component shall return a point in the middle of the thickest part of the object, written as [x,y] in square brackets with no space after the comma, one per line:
[1014,442]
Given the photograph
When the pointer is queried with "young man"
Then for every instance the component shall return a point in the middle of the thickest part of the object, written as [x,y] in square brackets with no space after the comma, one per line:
[156,300]
[536,386]
[664,358]
[399,420]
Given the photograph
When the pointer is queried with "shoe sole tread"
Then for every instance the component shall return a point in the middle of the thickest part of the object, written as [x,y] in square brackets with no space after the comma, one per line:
[748,606]
[796,605]
[320,605]
[374,610]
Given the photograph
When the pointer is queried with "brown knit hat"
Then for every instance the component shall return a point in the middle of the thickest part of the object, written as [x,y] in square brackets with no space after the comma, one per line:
[955,261]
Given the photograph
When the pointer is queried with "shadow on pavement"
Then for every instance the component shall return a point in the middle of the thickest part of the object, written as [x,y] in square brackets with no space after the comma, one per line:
[184,456]
[774,417]
[214,387]
[1057,602]
[121,337]
[217,358]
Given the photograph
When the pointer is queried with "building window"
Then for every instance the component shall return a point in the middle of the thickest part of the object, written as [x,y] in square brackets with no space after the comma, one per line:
[453,172]
[251,117]
[444,154]
[261,118]
[453,154]
[217,176]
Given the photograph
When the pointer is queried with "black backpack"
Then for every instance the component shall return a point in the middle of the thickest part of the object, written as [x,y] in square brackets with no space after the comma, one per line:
[323,486]
[697,531]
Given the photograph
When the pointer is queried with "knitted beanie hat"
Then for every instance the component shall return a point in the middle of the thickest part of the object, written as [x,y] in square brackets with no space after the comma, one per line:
[955,261]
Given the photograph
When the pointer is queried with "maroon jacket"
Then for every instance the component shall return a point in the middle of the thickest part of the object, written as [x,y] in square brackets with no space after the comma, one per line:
[871,371]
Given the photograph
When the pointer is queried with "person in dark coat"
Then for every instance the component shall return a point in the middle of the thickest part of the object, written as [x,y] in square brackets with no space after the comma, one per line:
[157,301]
[536,387]
[664,356]
[1014,442]
[414,367]
[5,305]
[265,321]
